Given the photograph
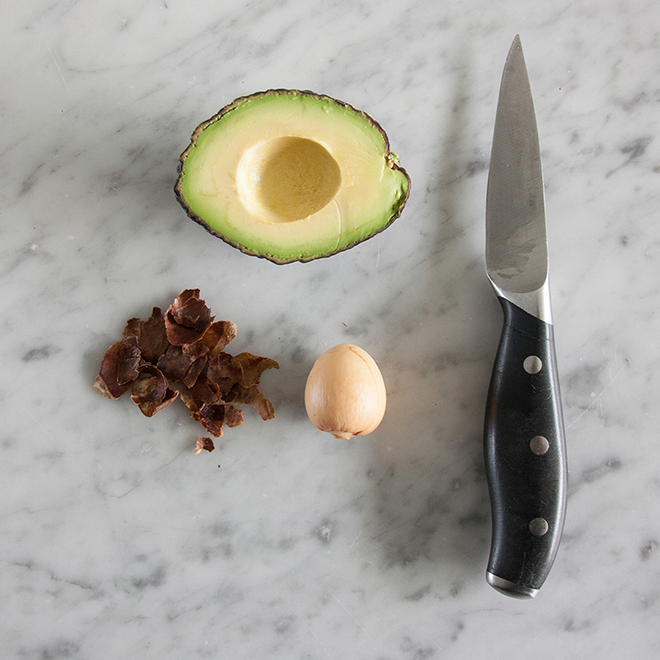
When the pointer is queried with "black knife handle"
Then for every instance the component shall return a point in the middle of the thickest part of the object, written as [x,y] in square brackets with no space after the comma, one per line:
[525,455]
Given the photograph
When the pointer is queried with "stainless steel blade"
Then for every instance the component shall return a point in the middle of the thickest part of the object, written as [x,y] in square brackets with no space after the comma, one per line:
[516,242]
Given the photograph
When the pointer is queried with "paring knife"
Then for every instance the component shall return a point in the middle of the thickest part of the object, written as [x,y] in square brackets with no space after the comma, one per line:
[524,444]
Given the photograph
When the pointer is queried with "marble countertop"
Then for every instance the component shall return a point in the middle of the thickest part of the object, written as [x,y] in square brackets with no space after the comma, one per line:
[117,541]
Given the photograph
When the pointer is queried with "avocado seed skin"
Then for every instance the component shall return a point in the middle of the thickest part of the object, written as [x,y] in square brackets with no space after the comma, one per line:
[345,393]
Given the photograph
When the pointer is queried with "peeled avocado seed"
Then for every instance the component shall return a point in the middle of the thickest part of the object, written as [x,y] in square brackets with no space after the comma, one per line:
[345,393]
[290,175]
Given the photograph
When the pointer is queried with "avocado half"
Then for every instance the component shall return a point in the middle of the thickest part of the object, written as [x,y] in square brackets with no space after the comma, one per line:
[290,175]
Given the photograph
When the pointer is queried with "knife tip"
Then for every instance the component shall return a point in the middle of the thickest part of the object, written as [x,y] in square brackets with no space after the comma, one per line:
[515,55]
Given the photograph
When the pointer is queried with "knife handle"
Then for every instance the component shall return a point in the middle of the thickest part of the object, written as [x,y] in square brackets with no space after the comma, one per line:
[525,455]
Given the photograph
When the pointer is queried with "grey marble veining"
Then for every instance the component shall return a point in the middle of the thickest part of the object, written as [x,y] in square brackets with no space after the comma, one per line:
[117,541]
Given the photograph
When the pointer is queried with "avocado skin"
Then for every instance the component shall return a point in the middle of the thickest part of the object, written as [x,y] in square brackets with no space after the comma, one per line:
[396,211]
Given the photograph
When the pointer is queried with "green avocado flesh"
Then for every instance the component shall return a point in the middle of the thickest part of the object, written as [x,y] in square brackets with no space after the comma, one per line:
[291,176]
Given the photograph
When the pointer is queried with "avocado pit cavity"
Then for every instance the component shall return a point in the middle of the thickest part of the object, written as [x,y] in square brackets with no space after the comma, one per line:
[287,178]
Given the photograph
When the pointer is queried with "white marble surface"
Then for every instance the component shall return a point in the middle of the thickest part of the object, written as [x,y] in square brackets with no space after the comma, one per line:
[116,541]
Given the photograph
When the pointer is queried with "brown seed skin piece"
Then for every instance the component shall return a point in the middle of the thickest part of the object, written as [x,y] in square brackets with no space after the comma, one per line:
[118,362]
[202,444]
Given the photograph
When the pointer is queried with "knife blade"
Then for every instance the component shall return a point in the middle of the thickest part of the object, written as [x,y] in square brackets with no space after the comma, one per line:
[524,444]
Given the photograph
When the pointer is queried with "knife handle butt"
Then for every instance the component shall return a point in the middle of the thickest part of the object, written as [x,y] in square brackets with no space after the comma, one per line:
[525,455]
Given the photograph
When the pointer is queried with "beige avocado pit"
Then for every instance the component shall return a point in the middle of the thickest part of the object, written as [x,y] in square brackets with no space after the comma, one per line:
[291,175]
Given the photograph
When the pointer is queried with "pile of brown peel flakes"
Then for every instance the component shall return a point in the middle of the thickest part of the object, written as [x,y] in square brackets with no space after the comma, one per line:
[182,353]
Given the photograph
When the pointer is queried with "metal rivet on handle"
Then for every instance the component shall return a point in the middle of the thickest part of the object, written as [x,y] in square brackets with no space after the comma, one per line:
[539,445]
[532,364]
[538,526]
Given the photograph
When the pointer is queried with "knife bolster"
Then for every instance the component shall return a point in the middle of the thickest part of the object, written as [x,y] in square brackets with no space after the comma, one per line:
[536,302]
